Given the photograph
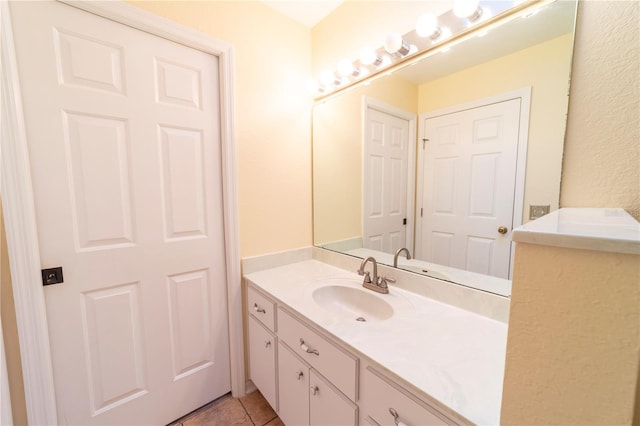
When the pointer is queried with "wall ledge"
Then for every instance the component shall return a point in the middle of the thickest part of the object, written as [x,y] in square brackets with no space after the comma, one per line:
[600,229]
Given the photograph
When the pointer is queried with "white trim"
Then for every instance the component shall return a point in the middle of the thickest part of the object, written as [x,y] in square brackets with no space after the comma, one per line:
[22,242]
[524,94]
[19,209]
[371,103]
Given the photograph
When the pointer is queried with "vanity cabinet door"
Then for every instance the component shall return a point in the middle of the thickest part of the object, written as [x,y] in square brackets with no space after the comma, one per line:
[384,402]
[262,360]
[327,405]
[293,387]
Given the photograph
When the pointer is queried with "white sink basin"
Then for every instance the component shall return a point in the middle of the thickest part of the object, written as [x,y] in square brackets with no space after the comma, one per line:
[359,304]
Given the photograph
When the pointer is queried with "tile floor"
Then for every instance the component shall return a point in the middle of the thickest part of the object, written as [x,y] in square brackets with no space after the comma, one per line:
[250,410]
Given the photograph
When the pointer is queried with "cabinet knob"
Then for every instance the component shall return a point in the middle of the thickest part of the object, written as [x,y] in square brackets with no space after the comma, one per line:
[299,375]
[315,390]
[258,309]
[267,343]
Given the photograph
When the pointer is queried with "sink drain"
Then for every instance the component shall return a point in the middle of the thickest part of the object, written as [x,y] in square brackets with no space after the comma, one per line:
[361,319]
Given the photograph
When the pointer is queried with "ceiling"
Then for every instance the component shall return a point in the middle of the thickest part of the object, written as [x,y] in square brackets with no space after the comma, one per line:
[307,12]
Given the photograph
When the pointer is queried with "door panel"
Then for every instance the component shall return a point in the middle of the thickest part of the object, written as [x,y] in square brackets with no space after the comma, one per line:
[124,143]
[468,187]
[385,169]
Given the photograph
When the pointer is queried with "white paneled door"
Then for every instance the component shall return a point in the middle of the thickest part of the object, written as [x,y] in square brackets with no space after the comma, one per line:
[468,186]
[124,140]
[386,151]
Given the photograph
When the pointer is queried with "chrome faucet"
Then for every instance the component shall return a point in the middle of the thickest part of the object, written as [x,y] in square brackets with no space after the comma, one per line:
[395,258]
[367,275]
[375,283]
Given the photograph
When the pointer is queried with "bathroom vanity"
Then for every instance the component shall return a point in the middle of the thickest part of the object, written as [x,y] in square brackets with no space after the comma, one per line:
[324,350]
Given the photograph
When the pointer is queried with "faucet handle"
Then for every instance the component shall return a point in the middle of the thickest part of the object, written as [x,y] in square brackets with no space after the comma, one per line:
[367,276]
[384,281]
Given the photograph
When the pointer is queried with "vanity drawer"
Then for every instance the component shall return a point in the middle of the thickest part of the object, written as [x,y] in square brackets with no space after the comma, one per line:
[331,361]
[262,308]
[380,397]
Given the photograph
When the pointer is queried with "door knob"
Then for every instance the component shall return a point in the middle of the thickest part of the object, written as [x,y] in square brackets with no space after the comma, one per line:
[503,230]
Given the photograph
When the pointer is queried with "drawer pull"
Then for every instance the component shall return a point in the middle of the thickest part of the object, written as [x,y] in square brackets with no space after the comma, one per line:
[299,375]
[396,417]
[315,390]
[307,349]
[258,309]
[267,343]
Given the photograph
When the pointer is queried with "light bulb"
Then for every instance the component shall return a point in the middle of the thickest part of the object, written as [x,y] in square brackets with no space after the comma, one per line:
[327,78]
[427,26]
[345,67]
[394,43]
[467,9]
[313,86]
[368,56]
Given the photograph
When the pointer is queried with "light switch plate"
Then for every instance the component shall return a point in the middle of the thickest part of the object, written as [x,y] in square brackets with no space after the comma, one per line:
[536,212]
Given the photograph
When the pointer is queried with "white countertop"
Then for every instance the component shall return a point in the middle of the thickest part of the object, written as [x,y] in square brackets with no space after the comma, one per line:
[454,356]
[603,229]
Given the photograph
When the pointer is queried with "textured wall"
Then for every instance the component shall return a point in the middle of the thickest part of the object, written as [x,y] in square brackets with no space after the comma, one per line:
[602,149]
[573,345]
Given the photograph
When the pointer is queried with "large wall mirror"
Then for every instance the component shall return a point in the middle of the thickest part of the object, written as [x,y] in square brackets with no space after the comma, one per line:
[447,155]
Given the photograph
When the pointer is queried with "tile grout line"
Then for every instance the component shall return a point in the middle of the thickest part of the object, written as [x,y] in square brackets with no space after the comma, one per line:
[270,420]
[246,411]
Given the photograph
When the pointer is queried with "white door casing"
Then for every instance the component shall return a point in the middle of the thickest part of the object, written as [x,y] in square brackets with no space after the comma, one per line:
[388,172]
[471,182]
[34,346]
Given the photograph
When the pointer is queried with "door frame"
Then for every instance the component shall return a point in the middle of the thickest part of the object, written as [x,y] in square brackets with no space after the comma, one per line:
[19,208]
[524,94]
[371,103]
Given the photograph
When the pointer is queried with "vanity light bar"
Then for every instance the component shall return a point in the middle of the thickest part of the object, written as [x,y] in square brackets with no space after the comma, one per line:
[430,33]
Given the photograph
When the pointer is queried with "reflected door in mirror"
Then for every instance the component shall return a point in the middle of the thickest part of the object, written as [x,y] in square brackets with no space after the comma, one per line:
[385,185]
[469,170]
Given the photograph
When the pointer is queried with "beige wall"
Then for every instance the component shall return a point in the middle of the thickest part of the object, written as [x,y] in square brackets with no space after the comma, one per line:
[10,333]
[573,344]
[602,153]
[337,146]
[272,65]
[545,67]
